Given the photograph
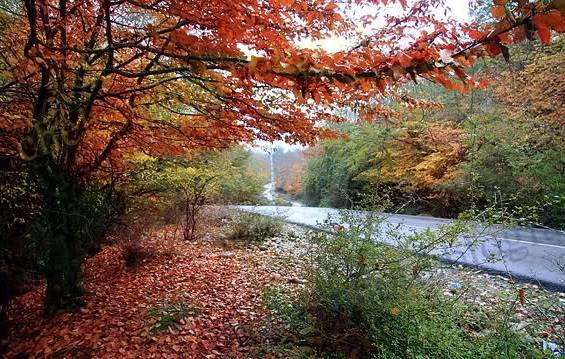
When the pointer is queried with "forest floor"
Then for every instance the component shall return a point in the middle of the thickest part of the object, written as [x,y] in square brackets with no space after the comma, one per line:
[203,299]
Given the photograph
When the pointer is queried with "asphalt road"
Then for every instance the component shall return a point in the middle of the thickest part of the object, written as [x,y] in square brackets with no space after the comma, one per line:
[535,255]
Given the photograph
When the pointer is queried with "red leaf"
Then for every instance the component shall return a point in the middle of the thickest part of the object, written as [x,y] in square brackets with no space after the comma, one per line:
[544,35]
[475,35]
[555,20]
[493,49]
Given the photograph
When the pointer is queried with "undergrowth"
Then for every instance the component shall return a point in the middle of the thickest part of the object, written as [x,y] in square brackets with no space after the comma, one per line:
[248,227]
[364,300]
[169,316]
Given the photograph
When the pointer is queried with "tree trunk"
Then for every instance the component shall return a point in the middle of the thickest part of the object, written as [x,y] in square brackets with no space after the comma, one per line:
[62,219]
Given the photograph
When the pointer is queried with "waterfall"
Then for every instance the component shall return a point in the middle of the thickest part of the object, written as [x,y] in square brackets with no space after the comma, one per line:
[269,192]
[272,160]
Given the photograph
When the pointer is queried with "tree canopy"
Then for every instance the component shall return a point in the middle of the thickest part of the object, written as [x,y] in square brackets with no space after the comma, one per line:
[90,81]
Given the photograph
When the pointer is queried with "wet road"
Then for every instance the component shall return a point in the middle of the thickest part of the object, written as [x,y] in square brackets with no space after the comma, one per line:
[536,255]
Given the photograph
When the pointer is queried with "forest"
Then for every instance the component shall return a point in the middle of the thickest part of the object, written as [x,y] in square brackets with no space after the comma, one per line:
[135,136]
[485,148]
[501,146]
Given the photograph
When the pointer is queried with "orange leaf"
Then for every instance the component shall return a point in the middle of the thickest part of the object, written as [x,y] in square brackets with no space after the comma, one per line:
[498,11]
[330,6]
[316,96]
[475,35]
[521,296]
[404,60]
[286,3]
[310,17]
[483,83]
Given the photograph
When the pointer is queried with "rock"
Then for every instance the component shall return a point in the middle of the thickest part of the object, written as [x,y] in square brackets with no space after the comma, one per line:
[519,326]
[227,255]
[484,333]
[295,280]
[553,348]
[454,286]
[276,276]
[528,339]
[263,248]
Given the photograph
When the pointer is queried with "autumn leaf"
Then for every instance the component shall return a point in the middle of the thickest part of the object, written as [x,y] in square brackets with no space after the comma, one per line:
[498,11]
[521,296]
[330,7]
[493,48]
[544,35]
[404,59]
[475,35]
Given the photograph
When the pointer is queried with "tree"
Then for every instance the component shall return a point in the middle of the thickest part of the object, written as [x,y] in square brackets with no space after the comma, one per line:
[289,171]
[86,83]
[178,188]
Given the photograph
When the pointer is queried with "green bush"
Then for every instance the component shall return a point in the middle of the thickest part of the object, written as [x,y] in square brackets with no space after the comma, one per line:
[283,303]
[24,226]
[97,210]
[170,315]
[253,228]
[363,300]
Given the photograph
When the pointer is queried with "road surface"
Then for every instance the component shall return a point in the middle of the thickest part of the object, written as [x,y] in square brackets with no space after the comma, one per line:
[536,255]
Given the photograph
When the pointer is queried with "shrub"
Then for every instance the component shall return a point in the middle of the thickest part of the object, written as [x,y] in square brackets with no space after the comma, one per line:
[131,238]
[362,300]
[26,232]
[283,303]
[282,202]
[134,253]
[253,228]
[170,315]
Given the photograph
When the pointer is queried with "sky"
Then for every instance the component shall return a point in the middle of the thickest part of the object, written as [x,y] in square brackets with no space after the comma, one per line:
[459,12]
[459,9]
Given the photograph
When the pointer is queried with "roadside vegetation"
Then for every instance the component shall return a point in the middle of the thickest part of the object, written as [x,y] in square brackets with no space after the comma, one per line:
[498,147]
[252,228]
[161,192]
[362,300]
